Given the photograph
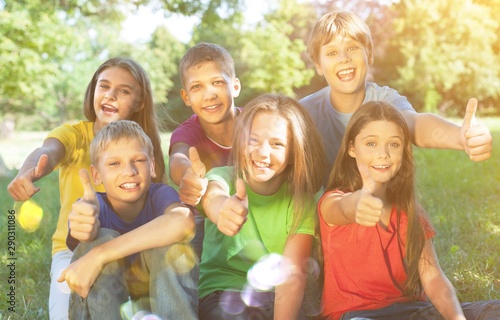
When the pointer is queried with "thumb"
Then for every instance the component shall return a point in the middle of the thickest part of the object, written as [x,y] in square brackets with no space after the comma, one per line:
[241,190]
[62,277]
[196,164]
[368,183]
[40,166]
[89,194]
[470,113]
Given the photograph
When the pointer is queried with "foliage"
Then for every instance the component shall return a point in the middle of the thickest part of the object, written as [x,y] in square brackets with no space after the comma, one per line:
[441,54]
[437,53]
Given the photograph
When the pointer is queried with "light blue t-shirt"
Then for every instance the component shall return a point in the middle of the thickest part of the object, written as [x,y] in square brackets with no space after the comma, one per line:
[332,124]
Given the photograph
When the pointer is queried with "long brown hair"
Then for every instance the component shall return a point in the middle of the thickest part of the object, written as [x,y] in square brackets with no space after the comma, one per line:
[146,118]
[400,191]
[304,176]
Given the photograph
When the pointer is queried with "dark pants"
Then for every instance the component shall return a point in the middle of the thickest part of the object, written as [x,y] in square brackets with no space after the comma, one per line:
[482,310]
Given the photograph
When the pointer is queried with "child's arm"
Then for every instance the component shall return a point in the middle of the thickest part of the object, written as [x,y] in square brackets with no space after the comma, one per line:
[431,131]
[37,165]
[229,213]
[289,295]
[359,207]
[436,285]
[188,172]
[173,226]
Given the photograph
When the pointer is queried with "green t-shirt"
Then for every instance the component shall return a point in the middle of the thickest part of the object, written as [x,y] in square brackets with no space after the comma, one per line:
[226,260]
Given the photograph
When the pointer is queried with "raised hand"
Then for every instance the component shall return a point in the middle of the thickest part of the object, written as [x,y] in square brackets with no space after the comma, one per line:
[22,187]
[369,208]
[193,184]
[234,211]
[476,138]
[84,216]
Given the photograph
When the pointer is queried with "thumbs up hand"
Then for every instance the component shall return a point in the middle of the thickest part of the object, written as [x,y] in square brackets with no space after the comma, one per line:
[476,139]
[193,184]
[84,216]
[234,211]
[369,208]
[22,187]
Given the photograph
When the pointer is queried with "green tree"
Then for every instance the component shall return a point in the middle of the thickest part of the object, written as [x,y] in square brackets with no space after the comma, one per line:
[441,54]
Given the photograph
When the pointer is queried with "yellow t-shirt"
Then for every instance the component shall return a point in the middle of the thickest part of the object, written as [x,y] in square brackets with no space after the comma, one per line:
[76,140]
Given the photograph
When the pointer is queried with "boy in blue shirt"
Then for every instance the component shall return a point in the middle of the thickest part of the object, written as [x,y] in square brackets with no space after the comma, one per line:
[131,240]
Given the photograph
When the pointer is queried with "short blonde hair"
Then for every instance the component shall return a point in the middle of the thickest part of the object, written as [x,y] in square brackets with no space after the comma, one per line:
[207,52]
[338,23]
[115,131]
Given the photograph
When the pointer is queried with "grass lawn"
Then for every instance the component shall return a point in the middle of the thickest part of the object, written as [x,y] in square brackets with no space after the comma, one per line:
[461,197]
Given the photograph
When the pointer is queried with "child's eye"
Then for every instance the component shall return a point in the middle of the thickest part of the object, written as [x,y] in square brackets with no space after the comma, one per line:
[394,144]
[219,82]
[103,86]
[140,160]
[124,91]
[331,53]
[113,164]
[278,144]
[370,144]
[352,48]
[253,141]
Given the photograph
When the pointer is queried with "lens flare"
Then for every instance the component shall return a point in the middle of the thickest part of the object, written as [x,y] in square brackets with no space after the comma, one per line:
[251,297]
[230,302]
[29,215]
[136,310]
[181,257]
[271,270]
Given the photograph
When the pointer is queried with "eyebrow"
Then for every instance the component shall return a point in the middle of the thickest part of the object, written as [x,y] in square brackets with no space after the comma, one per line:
[119,85]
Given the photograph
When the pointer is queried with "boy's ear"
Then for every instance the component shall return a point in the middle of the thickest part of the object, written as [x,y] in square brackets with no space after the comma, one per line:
[185,97]
[318,69]
[152,168]
[371,59]
[236,88]
[95,175]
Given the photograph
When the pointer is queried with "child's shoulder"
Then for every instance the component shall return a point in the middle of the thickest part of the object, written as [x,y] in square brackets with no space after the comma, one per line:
[81,126]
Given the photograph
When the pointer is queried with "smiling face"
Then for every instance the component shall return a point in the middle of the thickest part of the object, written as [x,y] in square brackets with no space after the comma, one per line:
[210,92]
[117,96]
[378,149]
[267,154]
[344,64]
[125,168]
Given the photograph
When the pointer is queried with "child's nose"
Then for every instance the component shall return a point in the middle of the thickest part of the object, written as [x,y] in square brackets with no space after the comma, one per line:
[129,170]
[209,94]
[383,152]
[110,94]
[344,56]
[265,149]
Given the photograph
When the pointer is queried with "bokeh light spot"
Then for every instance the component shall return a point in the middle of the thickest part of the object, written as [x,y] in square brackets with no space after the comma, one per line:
[271,270]
[29,215]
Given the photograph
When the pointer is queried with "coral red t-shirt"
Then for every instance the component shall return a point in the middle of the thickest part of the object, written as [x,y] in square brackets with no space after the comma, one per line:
[364,266]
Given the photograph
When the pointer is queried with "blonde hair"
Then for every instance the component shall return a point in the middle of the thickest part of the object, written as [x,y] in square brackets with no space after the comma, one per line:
[338,23]
[401,188]
[116,131]
[307,158]
[206,52]
[146,118]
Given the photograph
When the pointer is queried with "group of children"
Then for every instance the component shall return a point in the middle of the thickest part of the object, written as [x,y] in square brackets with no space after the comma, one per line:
[251,190]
